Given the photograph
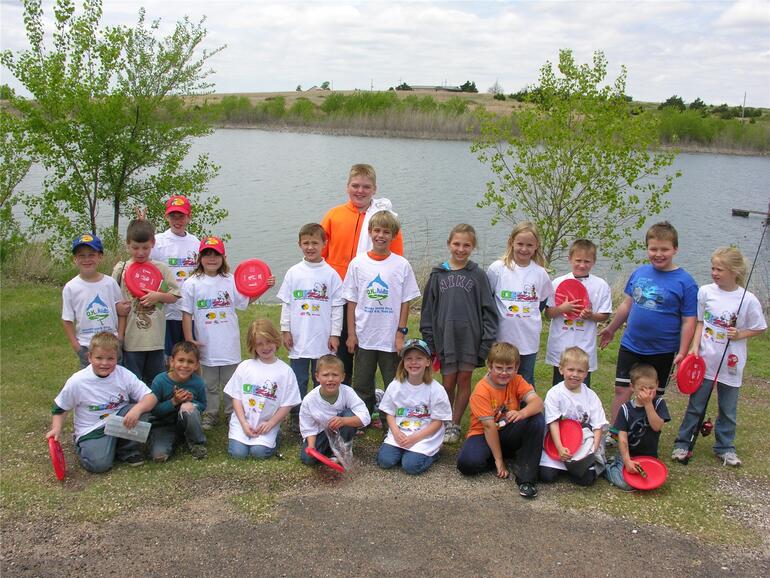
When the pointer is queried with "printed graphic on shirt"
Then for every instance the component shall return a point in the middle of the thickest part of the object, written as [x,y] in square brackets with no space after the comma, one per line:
[113,404]
[573,325]
[715,327]
[637,431]
[319,292]
[183,263]
[143,314]
[267,389]
[648,294]
[520,303]
[223,300]
[377,290]
[97,311]
[459,281]
[412,419]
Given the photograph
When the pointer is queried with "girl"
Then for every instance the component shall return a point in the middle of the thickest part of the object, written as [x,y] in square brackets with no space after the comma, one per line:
[415,407]
[521,287]
[724,325]
[263,391]
[458,321]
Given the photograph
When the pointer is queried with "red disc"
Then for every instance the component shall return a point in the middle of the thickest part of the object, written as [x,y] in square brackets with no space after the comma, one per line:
[313,453]
[690,374]
[436,363]
[655,470]
[142,277]
[571,434]
[572,290]
[251,277]
[57,458]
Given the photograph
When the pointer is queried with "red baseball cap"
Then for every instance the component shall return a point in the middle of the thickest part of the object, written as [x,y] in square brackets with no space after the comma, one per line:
[212,243]
[178,204]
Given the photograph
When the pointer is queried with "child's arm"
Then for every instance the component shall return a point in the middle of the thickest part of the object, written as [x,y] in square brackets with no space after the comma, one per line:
[598,432]
[737,334]
[564,454]
[288,342]
[69,331]
[607,334]
[403,319]
[334,337]
[337,422]
[646,398]
[352,341]
[492,437]
[57,426]
[187,329]
[629,464]
[685,338]
[534,406]
[274,421]
[399,436]
[564,308]
[154,297]
[310,442]
[695,346]
[143,406]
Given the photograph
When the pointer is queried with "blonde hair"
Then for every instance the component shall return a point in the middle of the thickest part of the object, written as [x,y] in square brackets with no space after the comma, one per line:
[104,340]
[583,245]
[504,354]
[427,375]
[732,260]
[385,220]
[330,360]
[463,228]
[363,170]
[663,231]
[575,355]
[524,227]
[265,329]
[644,371]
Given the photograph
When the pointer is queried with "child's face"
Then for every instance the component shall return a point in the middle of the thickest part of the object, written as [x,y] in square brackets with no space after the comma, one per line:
[722,276]
[501,373]
[329,378]
[361,190]
[211,261]
[140,252]
[574,373]
[415,364]
[312,246]
[661,253]
[460,247]
[87,260]
[177,223]
[183,364]
[582,260]
[103,361]
[381,237]
[524,248]
[645,384]
[265,349]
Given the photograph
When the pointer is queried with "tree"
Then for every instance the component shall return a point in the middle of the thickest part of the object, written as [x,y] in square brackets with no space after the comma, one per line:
[107,120]
[577,163]
[15,162]
[403,86]
[325,85]
[697,104]
[673,102]
[468,86]
[299,88]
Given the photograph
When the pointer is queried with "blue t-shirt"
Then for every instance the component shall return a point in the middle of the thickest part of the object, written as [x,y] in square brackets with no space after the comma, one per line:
[660,300]
[642,439]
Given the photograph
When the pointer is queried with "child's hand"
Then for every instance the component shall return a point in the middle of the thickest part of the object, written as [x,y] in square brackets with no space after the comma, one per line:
[565,455]
[732,333]
[262,429]
[334,343]
[335,423]
[501,473]
[645,396]
[605,337]
[55,434]
[123,308]
[401,438]
[150,299]
[399,341]
[248,430]
[571,307]
[678,359]
[352,343]
[586,313]
[181,396]
[288,342]
[131,418]
[631,466]
[271,281]
[513,416]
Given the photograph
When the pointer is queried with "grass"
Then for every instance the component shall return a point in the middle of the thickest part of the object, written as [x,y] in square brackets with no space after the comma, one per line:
[35,360]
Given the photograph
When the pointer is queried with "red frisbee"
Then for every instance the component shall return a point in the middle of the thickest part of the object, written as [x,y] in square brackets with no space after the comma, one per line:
[572,290]
[143,277]
[571,434]
[251,277]
[314,453]
[690,374]
[57,458]
[436,363]
[655,472]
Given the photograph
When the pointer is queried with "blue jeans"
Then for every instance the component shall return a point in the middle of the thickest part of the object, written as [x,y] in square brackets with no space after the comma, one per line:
[241,451]
[322,444]
[527,368]
[300,368]
[174,335]
[724,429]
[413,463]
[145,364]
[164,437]
[614,473]
[98,455]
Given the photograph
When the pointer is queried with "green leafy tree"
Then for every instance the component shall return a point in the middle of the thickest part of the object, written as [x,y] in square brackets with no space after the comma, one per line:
[675,102]
[15,162]
[697,104]
[325,85]
[469,86]
[577,162]
[107,119]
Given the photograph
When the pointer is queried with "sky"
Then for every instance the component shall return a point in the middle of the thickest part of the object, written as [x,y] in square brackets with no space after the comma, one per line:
[713,50]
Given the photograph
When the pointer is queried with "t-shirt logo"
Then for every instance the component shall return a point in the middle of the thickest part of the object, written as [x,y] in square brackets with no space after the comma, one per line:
[528,294]
[267,390]
[377,290]
[648,295]
[97,310]
[319,292]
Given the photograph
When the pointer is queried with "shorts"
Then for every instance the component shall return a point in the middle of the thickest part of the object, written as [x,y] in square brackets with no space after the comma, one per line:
[451,368]
[662,362]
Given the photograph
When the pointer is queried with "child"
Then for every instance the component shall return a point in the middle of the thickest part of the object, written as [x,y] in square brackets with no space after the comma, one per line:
[378,288]
[263,390]
[91,301]
[580,332]
[660,306]
[331,405]
[638,424]
[521,287]
[458,321]
[506,422]
[178,249]
[724,325]
[209,301]
[145,332]
[571,399]
[311,315]
[181,400]
[100,390]
[415,407]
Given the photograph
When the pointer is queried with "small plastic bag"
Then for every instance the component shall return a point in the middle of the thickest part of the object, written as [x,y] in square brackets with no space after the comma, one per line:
[342,450]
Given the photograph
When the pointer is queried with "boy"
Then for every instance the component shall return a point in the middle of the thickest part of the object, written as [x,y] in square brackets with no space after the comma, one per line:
[311,314]
[638,423]
[580,332]
[100,390]
[506,422]
[572,399]
[91,301]
[378,288]
[346,227]
[179,250]
[660,306]
[331,405]
[145,329]
[181,397]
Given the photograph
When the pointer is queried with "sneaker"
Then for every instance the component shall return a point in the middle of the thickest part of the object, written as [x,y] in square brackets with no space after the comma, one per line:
[729,459]
[208,421]
[198,451]
[528,490]
[135,460]
[160,458]
[679,455]
[452,434]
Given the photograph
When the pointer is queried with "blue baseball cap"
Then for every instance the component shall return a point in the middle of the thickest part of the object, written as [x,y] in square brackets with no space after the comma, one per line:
[417,344]
[89,240]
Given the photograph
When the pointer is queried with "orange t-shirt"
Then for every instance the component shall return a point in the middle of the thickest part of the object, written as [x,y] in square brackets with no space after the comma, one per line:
[488,399]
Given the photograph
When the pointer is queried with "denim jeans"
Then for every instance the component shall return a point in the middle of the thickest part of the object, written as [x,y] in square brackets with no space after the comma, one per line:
[164,437]
[145,364]
[527,368]
[413,463]
[322,444]
[97,455]
[174,334]
[614,473]
[241,451]
[215,378]
[724,429]
[300,368]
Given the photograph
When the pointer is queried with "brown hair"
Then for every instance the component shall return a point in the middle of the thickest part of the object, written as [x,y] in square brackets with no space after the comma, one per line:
[574,354]
[363,170]
[524,227]
[104,340]
[583,245]
[223,270]
[186,347]
[503,353]
[460,229]
[644,371]
[311,230]
[663,231]
[733,260]
[427,375]
[330,360]
[140,231]
[265,329]
[385,220]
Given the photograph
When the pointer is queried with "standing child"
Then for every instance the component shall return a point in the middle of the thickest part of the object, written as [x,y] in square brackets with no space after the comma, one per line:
[178,249]
[458,321]
[416,407]
[521,287]
[263,391]
[724,325]
[91,301]
[580,332]
[378,288]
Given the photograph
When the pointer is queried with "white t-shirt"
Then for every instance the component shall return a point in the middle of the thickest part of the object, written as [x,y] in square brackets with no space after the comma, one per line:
[212,302]
[315,412]
[415,407]
[262,388]
[581,333]
[379,288]
[310,290]
[718,310]
[518,293]
[179,254]
[583,406]
[93,399]
[91,306]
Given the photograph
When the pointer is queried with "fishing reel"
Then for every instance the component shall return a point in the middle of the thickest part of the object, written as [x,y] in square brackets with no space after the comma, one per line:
[707,427]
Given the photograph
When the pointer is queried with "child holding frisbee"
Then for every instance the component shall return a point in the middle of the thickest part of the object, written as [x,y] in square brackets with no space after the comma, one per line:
[458,321]
[728,316]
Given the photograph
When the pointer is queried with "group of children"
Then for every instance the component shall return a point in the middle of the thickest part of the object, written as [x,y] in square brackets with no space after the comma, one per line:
[359,305]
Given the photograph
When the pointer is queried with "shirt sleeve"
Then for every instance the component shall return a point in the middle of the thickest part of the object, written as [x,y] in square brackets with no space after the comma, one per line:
[233,386]
[67,312]
[551,409]
[284,291]
[621,422]
[690,298]
[187,301]
[701,302]
[411,289]
[350,285]
[137,389]
[480,403]
[604,304]
[662,409]
[358,407]
[66,399]
[388,403]
[755,320]
[291,392]
[440,408]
